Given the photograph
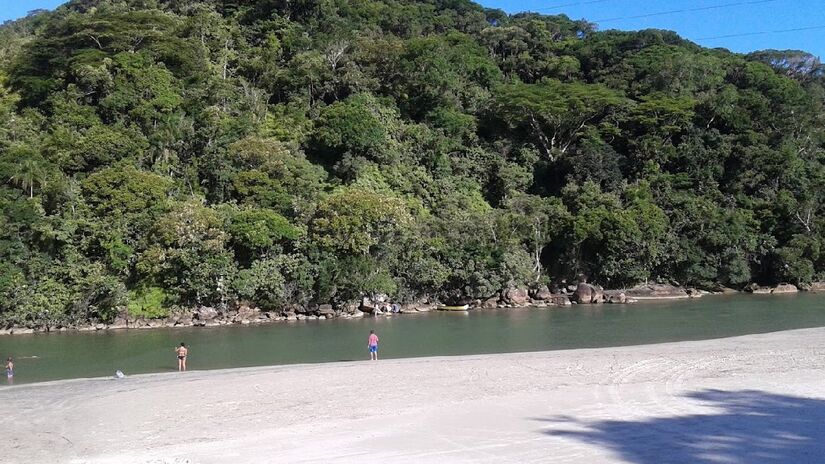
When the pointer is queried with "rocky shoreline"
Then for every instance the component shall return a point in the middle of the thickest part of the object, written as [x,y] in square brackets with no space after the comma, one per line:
[541,296]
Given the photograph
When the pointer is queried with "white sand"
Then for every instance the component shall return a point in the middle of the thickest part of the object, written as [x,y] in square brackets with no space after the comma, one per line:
[763,400]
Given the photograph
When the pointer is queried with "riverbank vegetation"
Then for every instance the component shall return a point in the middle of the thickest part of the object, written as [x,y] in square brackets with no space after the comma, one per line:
[158,154]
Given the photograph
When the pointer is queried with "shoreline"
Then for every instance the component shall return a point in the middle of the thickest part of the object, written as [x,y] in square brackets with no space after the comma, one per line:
[202,373]
[477,408]
[253,316]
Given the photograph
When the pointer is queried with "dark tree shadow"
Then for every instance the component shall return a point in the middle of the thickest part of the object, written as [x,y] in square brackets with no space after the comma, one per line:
[750,427]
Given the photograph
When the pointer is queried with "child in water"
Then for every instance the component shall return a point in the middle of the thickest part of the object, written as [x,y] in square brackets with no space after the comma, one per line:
[10,369]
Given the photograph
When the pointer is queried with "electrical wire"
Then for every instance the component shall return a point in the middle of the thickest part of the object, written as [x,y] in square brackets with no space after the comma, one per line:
[745,34]
[685,10]
[562,5]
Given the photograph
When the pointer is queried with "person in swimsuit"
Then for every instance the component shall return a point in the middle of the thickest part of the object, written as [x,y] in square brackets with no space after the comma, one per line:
[182,351]
[10,369]
[372,344]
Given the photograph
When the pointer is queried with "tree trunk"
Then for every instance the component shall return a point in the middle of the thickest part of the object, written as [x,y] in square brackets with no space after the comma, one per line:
[546,145]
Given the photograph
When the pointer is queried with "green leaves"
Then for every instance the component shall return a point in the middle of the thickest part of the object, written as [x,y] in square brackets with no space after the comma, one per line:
[25,168]
[298,152]
[125,191]
[359,126]
[260,229]
[353,221]
[552,114]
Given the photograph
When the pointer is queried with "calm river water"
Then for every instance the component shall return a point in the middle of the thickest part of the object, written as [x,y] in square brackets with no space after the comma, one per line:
[41,357]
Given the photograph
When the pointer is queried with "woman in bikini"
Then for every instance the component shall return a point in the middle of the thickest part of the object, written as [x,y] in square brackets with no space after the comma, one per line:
[182,351]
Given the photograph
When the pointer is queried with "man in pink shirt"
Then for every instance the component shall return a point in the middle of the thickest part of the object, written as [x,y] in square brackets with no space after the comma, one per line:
[372,344]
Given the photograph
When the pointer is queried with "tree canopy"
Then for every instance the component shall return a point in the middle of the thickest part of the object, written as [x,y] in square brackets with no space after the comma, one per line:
[162,153]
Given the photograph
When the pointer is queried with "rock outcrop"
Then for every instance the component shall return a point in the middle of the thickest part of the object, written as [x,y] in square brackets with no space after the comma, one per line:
[615,297]
[205,313]
[818,287]
[779,289]
[541,293]
[785,288]
[656,291]
[326,310]
[588,294]
[515,296]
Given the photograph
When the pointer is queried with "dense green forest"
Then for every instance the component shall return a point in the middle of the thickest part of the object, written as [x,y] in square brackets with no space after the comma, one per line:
[159,154]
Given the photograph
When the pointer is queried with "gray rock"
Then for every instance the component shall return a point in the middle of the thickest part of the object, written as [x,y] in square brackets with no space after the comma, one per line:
[326,310]
[588,294]
[816,287]
[298,309]
[541,293]
[516,296]
[247,312]
[785,288]
[656,291]
[205,313]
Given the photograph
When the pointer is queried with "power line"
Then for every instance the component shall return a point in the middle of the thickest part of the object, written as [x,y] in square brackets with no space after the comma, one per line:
[685,10]
[745,34]
[562,5]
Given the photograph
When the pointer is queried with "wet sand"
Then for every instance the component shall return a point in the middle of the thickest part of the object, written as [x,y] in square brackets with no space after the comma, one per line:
[757,398]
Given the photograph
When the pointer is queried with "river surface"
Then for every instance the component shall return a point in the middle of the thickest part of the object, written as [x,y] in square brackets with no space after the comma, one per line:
[42,357]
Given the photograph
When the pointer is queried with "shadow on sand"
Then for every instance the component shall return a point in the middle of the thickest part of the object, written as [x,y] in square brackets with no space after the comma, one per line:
[749,427]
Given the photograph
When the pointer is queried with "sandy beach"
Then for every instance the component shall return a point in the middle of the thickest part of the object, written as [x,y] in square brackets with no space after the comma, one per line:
[757,398]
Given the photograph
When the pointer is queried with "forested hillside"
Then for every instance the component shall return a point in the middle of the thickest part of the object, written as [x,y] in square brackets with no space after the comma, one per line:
[167,153]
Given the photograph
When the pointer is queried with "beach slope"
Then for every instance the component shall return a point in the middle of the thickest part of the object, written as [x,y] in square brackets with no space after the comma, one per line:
[757,398]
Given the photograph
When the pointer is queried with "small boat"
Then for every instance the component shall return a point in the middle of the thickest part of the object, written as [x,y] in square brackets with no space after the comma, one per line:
[454,308]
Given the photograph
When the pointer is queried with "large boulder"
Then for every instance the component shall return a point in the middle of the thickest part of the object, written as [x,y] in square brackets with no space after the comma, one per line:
[541,293]
[516,296]
[656,291]
[205,313]
[248,312]
[586,293]
[757,290]
[121,321]
[785,288]
[616,297]
[326,310]
[560,300]
[349,308]
[817,287]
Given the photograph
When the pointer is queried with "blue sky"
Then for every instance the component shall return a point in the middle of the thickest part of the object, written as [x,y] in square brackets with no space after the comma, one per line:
[740,17]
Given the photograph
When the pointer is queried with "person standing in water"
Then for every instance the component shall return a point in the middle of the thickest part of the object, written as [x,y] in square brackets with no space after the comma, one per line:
[182,351]
[372,344]
[10,369]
